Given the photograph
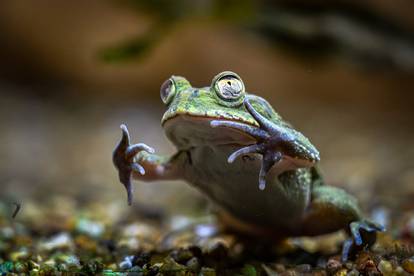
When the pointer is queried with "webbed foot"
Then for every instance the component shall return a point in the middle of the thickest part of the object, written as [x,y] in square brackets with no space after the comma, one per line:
[363,235]
[273,140]
[123,158]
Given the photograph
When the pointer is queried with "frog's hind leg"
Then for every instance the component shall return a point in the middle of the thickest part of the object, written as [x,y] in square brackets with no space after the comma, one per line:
[332,209]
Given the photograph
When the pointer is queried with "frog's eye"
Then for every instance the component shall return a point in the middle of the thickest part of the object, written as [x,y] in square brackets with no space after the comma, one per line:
[229,87]
[167,91]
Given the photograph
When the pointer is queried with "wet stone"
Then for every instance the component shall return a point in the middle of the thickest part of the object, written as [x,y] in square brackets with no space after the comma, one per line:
[60,241]
[170,267]
[153,271]
[126,263]
[217,251]
[181,255]
[6,267]
[352,272]
[408,265]
[89,227]
[6,233]
[289,272]
[333,265]
[207,271]
[142,259]
[366,265]
[385,267]
[92,267]
[304,268]
[33,266]
[193,264]
[21,254]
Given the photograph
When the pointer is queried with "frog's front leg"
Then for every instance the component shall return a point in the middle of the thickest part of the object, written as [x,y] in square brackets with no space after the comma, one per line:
[278,144]
[333,209]
[138,161]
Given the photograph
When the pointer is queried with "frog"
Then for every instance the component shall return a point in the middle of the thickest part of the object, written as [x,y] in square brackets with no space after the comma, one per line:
[260,172]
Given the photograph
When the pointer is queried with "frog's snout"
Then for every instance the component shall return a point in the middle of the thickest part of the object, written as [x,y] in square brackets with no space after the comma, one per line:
[303,155]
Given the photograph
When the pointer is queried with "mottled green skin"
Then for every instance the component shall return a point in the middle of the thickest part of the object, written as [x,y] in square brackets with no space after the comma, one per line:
[205,103]
[295,201]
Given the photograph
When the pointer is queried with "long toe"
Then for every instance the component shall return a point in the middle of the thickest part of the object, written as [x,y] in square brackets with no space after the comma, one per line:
[125,179]
[249,149]
[134,149]
[248,129]
[261,120]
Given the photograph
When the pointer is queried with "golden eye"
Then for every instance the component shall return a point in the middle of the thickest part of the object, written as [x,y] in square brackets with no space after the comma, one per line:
[167,91]
[229,86]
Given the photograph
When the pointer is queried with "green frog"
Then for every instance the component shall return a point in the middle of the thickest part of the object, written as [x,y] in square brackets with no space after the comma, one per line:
[259,170]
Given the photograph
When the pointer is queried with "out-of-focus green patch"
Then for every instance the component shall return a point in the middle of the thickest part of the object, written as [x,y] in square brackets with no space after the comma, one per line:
[249,270]
[135,48]
[6,267]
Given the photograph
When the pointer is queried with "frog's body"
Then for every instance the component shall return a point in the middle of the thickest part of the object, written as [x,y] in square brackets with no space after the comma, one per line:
[215,130]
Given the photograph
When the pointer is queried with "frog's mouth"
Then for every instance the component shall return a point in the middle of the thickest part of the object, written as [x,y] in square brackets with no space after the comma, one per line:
[187,131]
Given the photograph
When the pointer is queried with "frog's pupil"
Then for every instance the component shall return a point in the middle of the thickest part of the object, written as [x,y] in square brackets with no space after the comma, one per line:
[229,88]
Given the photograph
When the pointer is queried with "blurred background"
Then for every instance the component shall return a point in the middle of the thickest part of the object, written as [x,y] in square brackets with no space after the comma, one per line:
[72,71]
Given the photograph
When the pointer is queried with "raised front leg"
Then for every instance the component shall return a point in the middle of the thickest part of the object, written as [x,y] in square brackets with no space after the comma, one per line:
[278,143]
[333,209]
[139,162]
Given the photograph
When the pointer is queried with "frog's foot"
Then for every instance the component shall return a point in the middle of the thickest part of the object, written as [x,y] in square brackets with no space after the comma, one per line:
[272,141]
[123,158]
[364,235]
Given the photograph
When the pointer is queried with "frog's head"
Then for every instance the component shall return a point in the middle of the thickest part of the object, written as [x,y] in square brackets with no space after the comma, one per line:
[222,100]
[191,110]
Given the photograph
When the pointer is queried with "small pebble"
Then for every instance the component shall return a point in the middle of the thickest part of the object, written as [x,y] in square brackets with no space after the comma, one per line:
[193,264]
[22,254]
[92,267]
[333,265]
[59,241]
[408,265]
[6,232]
[89,227]
[205,230]
[142,259]
[6,268]
[181,255]
[170,266]
[20,267]
[126,263]
[385,267]
[353,272]
[217,251]
[269,271]
[207,271]
[33,265]
[304,268]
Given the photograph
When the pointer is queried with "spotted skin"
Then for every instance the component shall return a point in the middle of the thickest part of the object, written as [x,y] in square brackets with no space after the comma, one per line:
[230,141]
